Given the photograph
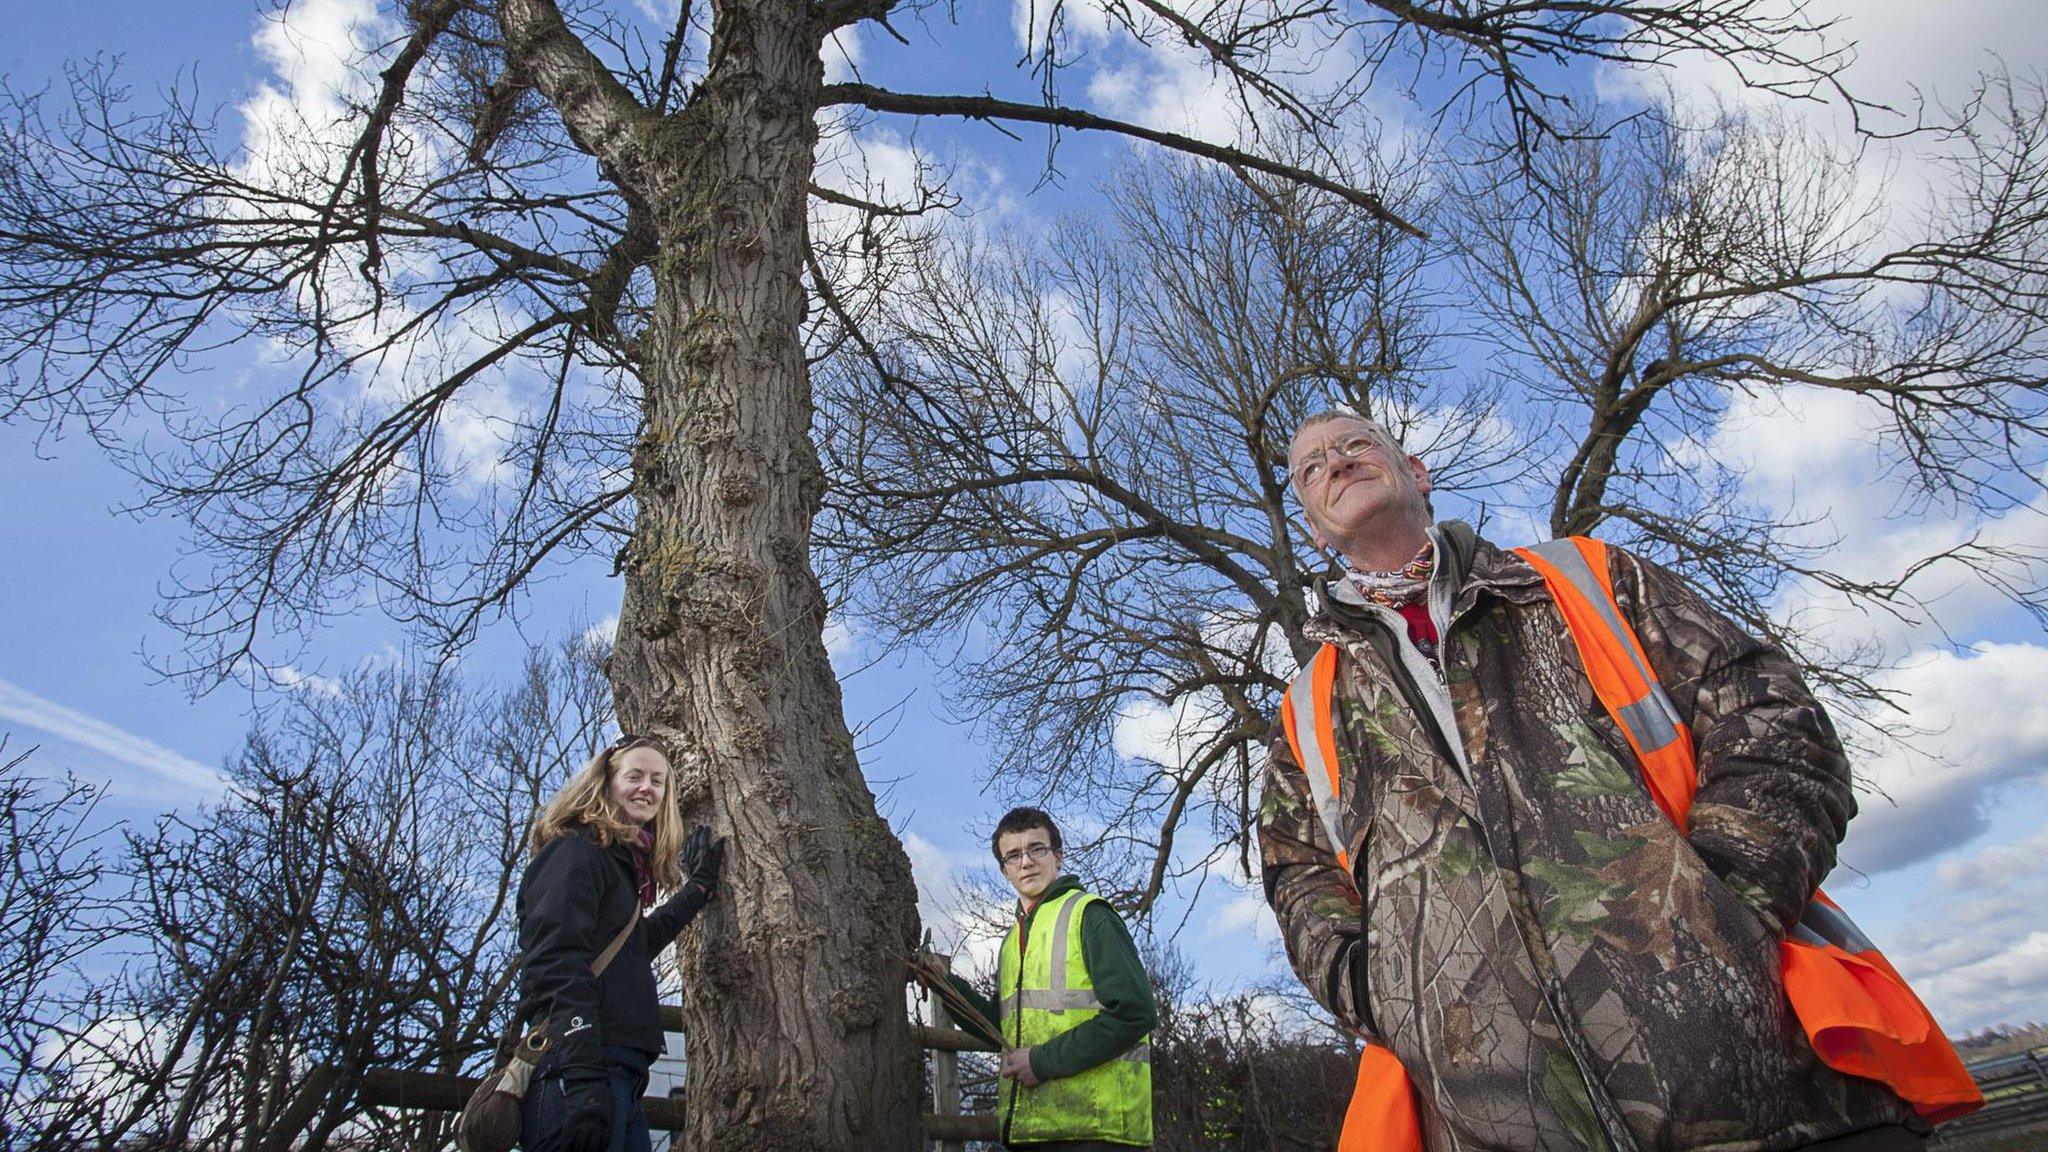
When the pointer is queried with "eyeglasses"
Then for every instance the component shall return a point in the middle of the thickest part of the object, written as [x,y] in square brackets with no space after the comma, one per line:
[1033,852]
[1352,447]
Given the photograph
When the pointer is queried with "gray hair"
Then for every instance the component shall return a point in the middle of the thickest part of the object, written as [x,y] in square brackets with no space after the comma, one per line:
[1343,412]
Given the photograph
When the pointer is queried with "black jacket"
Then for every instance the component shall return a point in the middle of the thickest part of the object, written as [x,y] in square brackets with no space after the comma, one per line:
[574,898]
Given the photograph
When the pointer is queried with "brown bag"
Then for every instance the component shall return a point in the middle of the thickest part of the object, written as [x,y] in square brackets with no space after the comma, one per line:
[496,1111]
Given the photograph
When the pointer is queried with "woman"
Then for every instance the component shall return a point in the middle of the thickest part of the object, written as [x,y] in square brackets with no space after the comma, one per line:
[602,849]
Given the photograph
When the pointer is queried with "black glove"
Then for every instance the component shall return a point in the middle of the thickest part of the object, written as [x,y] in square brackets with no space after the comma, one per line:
[589,1127]
[702,858]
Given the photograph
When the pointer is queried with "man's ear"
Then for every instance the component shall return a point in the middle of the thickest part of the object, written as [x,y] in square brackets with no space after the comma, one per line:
[1315,534]
[1421,473]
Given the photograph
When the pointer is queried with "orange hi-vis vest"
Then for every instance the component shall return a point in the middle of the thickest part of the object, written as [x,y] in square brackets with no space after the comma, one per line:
[1854,1007]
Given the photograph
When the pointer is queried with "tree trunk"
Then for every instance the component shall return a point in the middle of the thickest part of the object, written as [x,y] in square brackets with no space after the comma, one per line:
[797,1035]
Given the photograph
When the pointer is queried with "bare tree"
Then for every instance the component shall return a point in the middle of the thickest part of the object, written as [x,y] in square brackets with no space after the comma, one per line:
[1069,452]
[54,914]
[347,904]
[587,240]
[1078,452]
[1652,274]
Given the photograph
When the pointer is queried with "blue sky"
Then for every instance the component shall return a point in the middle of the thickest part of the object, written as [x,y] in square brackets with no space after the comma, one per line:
[1948,880]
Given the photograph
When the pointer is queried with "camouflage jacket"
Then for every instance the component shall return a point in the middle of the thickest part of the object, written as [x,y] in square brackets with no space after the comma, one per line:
[1553,962]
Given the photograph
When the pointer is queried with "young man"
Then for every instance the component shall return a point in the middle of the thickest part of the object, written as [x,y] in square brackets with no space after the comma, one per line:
[1554,963]
[1074,1006]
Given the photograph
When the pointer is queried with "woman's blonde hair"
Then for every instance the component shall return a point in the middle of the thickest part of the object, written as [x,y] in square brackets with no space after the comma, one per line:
[586,804]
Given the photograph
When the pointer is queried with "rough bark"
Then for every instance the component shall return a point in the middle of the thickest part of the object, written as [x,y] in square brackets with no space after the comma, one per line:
[797,1033]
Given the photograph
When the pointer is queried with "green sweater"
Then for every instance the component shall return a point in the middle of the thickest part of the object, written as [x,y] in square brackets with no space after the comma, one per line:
[1120,983]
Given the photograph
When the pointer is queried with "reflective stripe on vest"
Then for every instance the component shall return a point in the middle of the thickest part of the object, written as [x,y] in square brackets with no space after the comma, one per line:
[1575,571]
[1313,694]
[1059,995]
[1045,989]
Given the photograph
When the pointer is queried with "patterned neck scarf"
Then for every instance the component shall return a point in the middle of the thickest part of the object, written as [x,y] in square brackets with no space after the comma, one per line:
[1408,584]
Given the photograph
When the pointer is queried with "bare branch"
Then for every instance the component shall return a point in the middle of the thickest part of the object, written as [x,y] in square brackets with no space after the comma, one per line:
[599,112]
[989,108]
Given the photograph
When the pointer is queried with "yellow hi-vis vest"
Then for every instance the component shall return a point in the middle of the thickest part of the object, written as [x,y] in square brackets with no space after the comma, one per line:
[1044,988]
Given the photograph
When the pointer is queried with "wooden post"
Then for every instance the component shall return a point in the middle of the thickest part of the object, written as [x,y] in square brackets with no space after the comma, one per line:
[945,1072]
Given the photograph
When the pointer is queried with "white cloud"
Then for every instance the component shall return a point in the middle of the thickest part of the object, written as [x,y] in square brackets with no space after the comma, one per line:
[1175,88]
[20,706]
[841,638]
[1904,47]
[310,45]
[1986,725]
[1149,730]
[844,53]
[1285,1016]
[108,1060]
[1083,26]
[1980,727]
[881,166]
[1245,912]
[605,632]
[1903,51]
[1174,733]
[290,677]
[1817,454]
[1908,61]
[1973,948]
[299,122]
[297,129]
[1169,734]
[1171,92]
[962,916]
[661,13]
[1379,131]
[297,680]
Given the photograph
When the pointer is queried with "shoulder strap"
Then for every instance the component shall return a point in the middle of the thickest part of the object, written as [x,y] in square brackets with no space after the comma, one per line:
[597,966]
[1575,572]
[604,958]
[1307,718]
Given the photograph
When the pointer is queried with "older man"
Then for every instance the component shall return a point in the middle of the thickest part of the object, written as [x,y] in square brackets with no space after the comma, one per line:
[1553,961]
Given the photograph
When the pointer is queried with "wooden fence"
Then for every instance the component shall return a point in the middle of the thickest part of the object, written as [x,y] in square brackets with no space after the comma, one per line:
[2015,1097]
[946,1126]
